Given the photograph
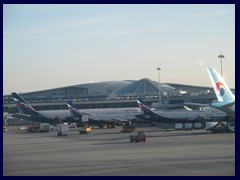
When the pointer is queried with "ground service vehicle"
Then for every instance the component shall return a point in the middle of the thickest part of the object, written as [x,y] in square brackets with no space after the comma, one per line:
[85,130]
[37,127]
[223,127]
[4,129]
[128,129]
[138,136]
[62,129]
[22,128]
[44,127]
[34,127]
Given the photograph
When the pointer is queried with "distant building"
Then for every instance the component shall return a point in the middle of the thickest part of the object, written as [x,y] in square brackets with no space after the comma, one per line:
[105,94]
[112,89]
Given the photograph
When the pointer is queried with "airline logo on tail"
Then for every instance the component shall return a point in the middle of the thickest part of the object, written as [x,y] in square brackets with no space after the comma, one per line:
[220,89]
[22,104]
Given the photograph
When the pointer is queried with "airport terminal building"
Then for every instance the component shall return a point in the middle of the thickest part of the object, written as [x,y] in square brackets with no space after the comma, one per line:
[112,94]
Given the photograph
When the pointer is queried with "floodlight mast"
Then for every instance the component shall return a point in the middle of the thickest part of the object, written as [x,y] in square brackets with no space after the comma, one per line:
[221,57]
[158,69]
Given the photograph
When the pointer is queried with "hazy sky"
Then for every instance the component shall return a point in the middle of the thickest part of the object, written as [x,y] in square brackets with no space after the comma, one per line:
[49,46]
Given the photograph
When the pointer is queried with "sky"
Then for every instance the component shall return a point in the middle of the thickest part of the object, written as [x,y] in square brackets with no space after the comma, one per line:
[51,46]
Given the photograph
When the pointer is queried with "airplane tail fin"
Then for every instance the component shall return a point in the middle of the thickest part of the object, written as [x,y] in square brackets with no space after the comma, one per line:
[74,110]
[221,89]
[23,106]
[226,99]
[144,108]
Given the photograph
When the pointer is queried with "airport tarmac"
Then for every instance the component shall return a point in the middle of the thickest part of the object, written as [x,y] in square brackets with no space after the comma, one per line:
[107,152]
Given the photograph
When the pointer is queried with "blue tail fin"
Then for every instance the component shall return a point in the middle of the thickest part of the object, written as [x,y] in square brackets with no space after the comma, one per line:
[74,110]
[23,106]
[144,107]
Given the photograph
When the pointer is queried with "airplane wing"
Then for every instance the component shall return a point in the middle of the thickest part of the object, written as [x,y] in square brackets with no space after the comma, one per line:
[196,104]
[88,114]
[117,119]
[187,108]
[21,116]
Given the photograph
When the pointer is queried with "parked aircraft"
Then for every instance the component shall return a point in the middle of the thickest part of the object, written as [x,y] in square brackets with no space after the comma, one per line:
[84,117]
[50,116]
[106,115]
[177,116]
[226,99]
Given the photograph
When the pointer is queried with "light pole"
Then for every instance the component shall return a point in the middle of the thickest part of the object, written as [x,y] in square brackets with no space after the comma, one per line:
[221,56]
[159,83]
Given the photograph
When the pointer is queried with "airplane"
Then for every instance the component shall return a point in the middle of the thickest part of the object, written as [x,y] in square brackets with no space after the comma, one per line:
[179,116]
[78,115]
[226,99]
[47,116]
[104,116]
